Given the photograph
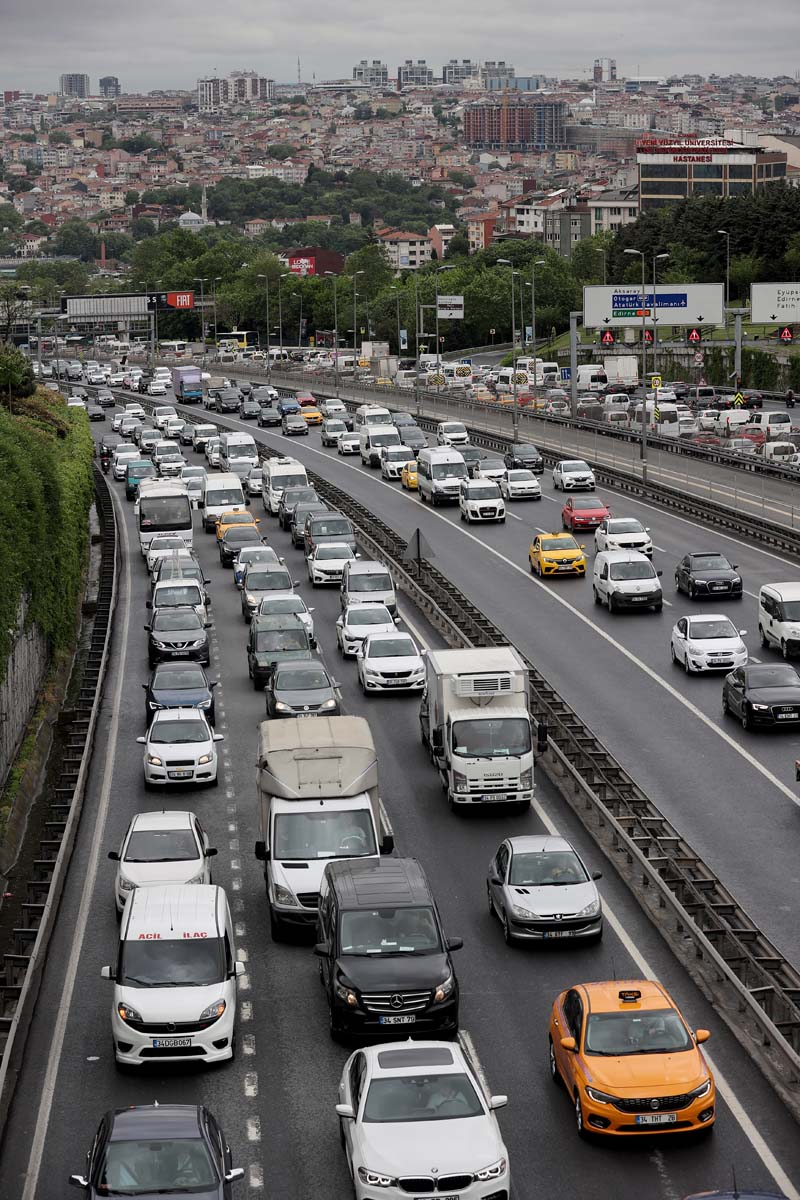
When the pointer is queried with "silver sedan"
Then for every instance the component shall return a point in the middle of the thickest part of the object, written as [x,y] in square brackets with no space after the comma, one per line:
[540,889]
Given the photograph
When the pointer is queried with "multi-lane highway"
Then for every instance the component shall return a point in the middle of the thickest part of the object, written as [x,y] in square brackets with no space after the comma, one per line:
[722,788]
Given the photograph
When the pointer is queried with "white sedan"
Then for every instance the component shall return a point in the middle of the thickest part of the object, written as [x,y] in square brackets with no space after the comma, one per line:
[156,387]
[179,747]
[414,1116]
[357,622]
[623,533]
[710,642]
[161,847]
[520,484]
[389,662]
[162,545]
[349,443]
[572,475]
[326,562]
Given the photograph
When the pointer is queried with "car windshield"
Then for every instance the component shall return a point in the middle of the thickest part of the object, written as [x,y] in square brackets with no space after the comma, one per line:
[453,427]
[429,1097]
[291,680]
[165,512]
[268,581]
[193,473]
[520,476]
[578,465]
[390,931]
[178,594]
[279,606]
[167,543]
[385,439]
[451,470]
[178,733]
[660,1031]
[587,503]
[495,737]
[171,962]
[156,1167]
[556,868]
[401,647]
[790,610]
[281,639]
[165,621]
[558,543]
[631,570]
[303,836]
[241,534]
[363,615]
[770,677]
[334,525]
[487,491]
[712,629]
[223,496]
[335,426]
[298,495]
[241,451]
[332,551]
[377,582]
[161,845]
[625,525]
[179,679]
[709,562]
[253,554]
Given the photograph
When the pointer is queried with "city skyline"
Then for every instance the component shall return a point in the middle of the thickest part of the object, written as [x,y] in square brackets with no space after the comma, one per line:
[44,40]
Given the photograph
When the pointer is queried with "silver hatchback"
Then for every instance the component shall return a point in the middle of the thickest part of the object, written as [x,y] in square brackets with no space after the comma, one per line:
[540,889]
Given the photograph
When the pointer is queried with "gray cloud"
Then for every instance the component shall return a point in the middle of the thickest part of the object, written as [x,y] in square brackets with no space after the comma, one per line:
[170,43]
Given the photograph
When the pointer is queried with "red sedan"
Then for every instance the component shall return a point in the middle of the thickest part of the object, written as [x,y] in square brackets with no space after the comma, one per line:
[306,399]
[583,512]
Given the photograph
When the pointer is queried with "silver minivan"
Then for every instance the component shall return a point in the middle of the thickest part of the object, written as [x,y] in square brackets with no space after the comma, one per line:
[366,581]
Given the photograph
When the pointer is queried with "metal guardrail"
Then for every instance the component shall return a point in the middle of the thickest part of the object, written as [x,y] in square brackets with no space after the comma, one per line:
[22,972]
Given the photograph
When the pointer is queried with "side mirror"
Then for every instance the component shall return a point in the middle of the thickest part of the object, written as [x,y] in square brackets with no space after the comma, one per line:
[78,1181]
[581,546]
[114,855]
[387,843]
[322,949]
[146,628]
[295,583]
[346,1111]
[148,604]
[219,737]
[701,1035]
[234,1174]
[261,851]
[455,943]
[108,973]
[206,582]
[498,1101]
[207,625]
[659,573]
[145,686]
[742,632]
[597,874]
[210,852]
[239,968]
[647,529]
[247,502]
[213,683]
[141,740]
[568,1043]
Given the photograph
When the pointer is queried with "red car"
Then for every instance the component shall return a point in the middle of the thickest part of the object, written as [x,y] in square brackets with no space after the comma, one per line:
[583,512]
[306,399]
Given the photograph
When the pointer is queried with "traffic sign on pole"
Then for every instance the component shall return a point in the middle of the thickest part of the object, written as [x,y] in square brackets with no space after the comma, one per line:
[607,338]
[698,358]
[657,382]
[738,400]
[786,334]
[695,336]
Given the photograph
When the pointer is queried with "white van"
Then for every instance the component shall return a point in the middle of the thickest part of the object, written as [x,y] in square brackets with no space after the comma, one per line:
[665,426]
[162,506]
[779,617]
[277,474]
[440,470]
[372,414]
[221,494]
[506,377]
[175,977]
[626,579]
[771,424]
[731,421]
[592,378]
[373,438]
[278,355]
[237,452]
[457,375]
[778,452]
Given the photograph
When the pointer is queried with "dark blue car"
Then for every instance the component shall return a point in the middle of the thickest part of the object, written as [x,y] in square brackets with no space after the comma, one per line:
[179,685]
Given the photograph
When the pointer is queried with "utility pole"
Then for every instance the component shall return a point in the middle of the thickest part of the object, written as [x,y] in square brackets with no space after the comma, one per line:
[656,259]
[202,283]
[506,262]
[446,267]
[280,312]
[355,317]
[333,276]
[574,317]
[265,277]
[396,291]
[416,341]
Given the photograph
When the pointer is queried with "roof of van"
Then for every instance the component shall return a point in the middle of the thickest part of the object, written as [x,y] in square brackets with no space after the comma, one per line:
[784,591]
[169,912]
[369,566]
[371,883]
[615,556]
[224,479]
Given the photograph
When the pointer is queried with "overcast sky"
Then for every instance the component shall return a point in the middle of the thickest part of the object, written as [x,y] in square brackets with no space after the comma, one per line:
[169,43]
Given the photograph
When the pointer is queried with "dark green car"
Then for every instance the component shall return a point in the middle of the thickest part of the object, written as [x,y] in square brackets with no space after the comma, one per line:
[138,469]
[275,639]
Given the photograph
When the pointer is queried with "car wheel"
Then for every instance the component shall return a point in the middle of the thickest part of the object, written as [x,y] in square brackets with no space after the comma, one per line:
[784,649]
[672,656]
[276,928]
[257,687]
[658,608]
[508,936]
[579,1116]
[611,603]
[762,637]
[212,783]
[551,1057]
[686,665]
[745,718]
[597,600]
[692,591]
[490,902]
[726,711]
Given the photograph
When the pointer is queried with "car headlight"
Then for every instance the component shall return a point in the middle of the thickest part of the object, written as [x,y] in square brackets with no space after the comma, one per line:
[125,884]
[196,645]
[374,1178]
[736,579]
[444,989]
[284,896]
[250,598]
[205,758]
[600,1097]
[526,779]
[204,704]
[347,994]
[196,878]
[522,914]
[701,1091]
[154,760]
[591,910]
[159,645]
[281,707]
[126,1013]
[492,1172]
[760,707]
[331,703]
[460,782]
[214,1011]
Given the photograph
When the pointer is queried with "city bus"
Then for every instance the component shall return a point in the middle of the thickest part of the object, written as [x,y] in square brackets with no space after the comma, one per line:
[238,339]
[179,348]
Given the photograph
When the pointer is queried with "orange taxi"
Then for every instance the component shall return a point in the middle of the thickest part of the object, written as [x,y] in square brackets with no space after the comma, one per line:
[408,475]
[629,1061]
[237,516]
[311,414]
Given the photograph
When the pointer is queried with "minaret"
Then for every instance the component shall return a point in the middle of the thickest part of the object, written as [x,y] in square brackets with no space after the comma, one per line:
[204,206]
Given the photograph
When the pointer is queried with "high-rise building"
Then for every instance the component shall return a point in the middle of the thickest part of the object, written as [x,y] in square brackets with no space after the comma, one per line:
[109,87]
[515,124]
[239,87]
[672,169]
[371,74]
[500,70]
[74,85]
[414,74]
[456,72]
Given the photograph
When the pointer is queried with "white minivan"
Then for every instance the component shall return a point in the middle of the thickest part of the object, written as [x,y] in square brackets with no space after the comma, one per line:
[221,494]
[779,617]
[626,579]
[440,471]
[375,438]
[277,474]
[771,424]
[175,976]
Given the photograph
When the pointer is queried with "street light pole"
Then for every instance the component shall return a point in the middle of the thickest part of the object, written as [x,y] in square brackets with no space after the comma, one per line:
[727,236]
[538,262]
[217,279]
[599,251]
[355,315]
[416,342]
[506,262]
[446,267]
[265,277]
[656,259]
[396,291]
[280,311]
[202,283]
[643,450]
[335,330]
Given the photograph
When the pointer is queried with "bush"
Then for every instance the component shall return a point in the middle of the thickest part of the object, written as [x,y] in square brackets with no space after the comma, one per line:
[46,491]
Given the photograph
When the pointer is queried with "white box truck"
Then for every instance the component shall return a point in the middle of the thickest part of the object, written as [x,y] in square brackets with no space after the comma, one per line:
[622,372]
[475,723]
[317,783]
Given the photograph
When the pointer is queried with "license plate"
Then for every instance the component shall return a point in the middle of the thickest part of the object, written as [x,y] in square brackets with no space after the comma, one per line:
[787,716]
[493,798]
[171,1043]
[638,599]
[719,587]
[180,774]
[554,933]
[657,1119]
[409,1020]
[565,566]
[440,1198]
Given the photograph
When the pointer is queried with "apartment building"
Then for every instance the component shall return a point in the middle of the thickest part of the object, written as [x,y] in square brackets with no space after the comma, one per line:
[371,74]
[611,209]
[414,74]
[405,251]
[456,72]
[440,237]
[74,85]
[515,124]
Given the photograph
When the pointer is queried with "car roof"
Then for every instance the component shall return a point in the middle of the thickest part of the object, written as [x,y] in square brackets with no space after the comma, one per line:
[352,610]
[328,546]
[409,1058]
[370,883]
[604,996]
[173,910]
[390,636]
[535,843]
[367,566]
[166,819]
[784,591]
[706,616]
[615,556]
[176,714]
[158,1121]
[277,621]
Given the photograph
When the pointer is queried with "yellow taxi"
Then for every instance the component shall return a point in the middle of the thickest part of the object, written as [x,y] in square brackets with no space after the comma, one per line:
[311,414]
[408,475]
[237,516]
[556,554]
[629,1061]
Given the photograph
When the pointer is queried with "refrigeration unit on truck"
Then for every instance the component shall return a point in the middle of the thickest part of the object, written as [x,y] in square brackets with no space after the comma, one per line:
[475,722]
[317,783]
[187,384]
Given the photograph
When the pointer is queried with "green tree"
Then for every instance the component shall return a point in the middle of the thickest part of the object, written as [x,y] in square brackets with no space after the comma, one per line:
[746,269]
[280,151]
[459,246]
[138,144]
[76,239]
[463,178]
[131,197]
[143,227]
[16,375]
[59,137]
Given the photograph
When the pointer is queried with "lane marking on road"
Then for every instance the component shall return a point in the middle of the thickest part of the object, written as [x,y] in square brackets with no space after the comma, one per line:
[254,1129]
[246,1010]
[249,1044]
[468,1046]
[255,1176]
[251,1084]
[65,1006]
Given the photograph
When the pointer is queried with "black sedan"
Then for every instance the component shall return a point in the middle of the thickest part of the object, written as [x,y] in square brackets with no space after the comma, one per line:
[289,498]
[95,413]
[707,574]
[293,424]
[414,438]
[228,400]
[179,685]
[472,456]
[763,695]
[234,539]
[268,415]
[525,455]
[249,409]
[177,633]
[301,689]
[105,398]
[159,1149]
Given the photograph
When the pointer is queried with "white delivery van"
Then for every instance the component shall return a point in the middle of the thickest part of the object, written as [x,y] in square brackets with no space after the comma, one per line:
[731,421]
[221,494]
[779,617]
[771,424]
[162,507]
[626,579]
[373,439]
[175,976]
[665,426]
[440,471]
[372,414]
[237,452]
[592,378]
[277,474]
[506,377]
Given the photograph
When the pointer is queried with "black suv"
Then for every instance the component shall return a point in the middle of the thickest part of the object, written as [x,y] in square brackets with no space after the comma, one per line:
[228,400]
[384,958]
[177,633]
[524,455]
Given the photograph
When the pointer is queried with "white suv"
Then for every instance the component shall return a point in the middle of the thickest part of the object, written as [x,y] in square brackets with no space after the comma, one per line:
[572,475]
[480,500]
